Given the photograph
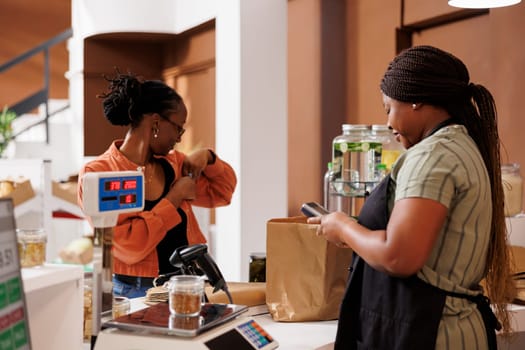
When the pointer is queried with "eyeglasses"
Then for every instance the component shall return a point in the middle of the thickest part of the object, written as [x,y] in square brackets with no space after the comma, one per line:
[180,129]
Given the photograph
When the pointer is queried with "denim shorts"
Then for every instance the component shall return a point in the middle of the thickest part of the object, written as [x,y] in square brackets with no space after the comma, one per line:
[129,290]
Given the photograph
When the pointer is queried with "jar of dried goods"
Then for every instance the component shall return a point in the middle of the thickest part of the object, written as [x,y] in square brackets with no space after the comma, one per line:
[31,246]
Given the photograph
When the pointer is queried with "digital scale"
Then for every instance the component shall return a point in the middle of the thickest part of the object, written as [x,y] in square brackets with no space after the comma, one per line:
[108,194]
[218,327]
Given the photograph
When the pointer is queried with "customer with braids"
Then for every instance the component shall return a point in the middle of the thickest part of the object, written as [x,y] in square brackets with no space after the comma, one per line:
[173,181]
[434,229]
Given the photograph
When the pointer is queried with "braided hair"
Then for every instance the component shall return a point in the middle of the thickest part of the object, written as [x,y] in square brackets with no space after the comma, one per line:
[129,97]
[425,74]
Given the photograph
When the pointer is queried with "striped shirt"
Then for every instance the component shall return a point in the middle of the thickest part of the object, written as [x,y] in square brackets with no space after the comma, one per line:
[447,167]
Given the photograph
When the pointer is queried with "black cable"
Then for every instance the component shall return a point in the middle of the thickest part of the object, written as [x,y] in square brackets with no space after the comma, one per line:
[225,289]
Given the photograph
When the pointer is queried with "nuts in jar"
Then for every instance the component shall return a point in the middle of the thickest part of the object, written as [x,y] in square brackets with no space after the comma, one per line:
[185,303]
[121,307]
[185,294]
[31,247]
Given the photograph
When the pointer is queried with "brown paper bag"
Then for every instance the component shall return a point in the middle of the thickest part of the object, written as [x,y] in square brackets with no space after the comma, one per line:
[305,274]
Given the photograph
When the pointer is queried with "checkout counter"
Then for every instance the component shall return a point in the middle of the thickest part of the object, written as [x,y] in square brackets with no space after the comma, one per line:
[289,335]
[320,335]
[60,285]
[285,335]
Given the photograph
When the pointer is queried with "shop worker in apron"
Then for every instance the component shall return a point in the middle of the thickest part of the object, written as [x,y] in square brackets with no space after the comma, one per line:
[433,229]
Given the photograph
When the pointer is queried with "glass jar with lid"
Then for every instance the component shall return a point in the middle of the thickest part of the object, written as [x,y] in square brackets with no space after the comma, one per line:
[391,149]
[120,307]
[88,305]
[353,160]
[512,188]
[257,271]
[31,246]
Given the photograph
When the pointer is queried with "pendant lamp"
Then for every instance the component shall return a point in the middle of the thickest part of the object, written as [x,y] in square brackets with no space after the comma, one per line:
[482,4]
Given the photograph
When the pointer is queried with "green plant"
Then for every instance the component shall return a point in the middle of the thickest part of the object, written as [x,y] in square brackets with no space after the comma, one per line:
[6,131]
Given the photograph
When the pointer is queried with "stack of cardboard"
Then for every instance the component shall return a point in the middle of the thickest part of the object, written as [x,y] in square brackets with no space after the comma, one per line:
[243,293]
[19,189]
[66,190]
[251,294]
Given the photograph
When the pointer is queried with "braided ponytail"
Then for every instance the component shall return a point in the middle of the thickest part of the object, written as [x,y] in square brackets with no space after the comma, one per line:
[482,126]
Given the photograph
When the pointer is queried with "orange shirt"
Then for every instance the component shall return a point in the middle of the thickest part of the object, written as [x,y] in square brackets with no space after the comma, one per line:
[136,235]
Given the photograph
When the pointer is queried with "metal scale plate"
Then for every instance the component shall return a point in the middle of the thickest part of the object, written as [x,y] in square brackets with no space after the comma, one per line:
[218,327]
[157,319]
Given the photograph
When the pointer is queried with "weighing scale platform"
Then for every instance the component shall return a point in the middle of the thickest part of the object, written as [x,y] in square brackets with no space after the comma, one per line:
[218,327]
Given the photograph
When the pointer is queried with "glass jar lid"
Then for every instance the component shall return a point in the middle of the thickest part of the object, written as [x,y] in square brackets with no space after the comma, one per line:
[31,235]
[257,256]
[510,168]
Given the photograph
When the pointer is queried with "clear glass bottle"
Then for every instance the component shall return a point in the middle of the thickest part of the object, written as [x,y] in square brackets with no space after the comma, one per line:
[380,172]
[391,149]
[512,188]
[353,160]
[329,177]
[337,153]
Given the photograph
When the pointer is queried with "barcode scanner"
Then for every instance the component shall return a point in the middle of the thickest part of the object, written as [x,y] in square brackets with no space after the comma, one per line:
[191,258]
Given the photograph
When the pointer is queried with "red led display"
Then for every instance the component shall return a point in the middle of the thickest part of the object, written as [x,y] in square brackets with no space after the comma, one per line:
[112,185]
[128,199]
[130,184]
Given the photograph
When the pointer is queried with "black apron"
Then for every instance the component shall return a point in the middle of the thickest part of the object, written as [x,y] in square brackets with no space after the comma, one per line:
[380,311]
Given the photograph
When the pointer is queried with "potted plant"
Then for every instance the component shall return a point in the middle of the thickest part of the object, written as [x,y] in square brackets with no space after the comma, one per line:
[6,131]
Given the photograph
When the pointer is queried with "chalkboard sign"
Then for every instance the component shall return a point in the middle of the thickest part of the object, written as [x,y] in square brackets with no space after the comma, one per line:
[14,326]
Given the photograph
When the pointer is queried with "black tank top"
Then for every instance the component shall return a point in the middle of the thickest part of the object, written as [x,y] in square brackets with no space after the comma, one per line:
[174,238]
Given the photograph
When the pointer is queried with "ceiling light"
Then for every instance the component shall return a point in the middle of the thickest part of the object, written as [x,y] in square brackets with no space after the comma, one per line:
[482,4]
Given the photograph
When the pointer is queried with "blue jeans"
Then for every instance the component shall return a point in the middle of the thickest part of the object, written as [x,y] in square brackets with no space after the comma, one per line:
[130,291]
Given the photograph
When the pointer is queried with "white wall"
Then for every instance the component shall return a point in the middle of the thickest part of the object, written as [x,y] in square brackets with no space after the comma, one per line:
[251,127]
[251,124]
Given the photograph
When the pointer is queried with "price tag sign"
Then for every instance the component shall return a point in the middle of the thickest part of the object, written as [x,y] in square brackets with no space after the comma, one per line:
[14,328]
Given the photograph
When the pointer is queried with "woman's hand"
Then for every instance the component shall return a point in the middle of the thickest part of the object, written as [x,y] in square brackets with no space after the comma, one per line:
[195,163]
[330,227]
[402,248]
[182,189]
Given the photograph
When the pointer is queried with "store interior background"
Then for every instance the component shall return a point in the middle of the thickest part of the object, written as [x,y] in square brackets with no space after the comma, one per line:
[334,55]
